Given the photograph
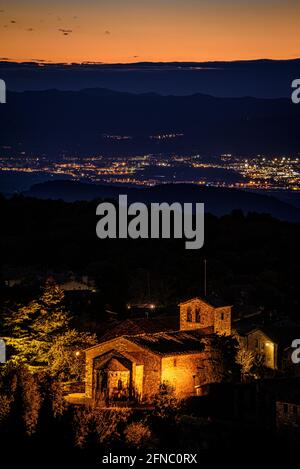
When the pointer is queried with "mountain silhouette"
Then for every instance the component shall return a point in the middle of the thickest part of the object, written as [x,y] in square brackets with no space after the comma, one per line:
[258,78]
[218,201]
[82,123]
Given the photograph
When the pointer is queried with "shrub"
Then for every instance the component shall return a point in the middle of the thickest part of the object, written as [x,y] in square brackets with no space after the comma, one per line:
[138,434]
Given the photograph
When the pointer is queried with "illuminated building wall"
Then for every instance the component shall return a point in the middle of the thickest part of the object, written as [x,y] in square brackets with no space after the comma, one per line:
[261,344]
[186,359]
[145,366]
[182,373]
[198,314]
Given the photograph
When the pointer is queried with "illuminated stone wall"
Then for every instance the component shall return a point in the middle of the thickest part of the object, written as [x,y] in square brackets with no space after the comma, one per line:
[187,373]
[261,344]
[181,373]
[287,415]
[139,378]
[206,314]
[114,377]
[197,314]
[147,377]
[222,320]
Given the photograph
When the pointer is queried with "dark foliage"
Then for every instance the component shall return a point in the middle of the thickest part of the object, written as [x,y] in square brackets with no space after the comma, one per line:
[252,261]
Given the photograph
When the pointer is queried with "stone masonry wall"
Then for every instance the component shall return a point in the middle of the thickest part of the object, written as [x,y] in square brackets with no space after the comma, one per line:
[287,414]
[206,315]
[151,362]
[259,343]
[222,320]
[181,373]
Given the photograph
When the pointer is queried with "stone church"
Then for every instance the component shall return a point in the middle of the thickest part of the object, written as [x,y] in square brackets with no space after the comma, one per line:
[135,367]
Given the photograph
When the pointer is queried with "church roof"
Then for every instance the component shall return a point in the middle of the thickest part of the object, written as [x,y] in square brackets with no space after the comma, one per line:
[281,335]
[172,343]
[141,326]
[213,302]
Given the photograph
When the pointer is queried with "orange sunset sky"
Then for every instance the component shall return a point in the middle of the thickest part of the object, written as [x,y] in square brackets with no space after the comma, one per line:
[157,30]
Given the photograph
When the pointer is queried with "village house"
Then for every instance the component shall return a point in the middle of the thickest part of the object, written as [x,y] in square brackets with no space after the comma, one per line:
[77,284]
[288,419]
[134,367]
[274,345]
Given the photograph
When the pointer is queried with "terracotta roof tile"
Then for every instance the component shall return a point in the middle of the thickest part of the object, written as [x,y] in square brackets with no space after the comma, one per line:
[172,343]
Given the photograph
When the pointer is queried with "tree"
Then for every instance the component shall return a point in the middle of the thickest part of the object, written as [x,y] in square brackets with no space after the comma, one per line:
[29,402]
[96,426]
[166,404]
[65,358]
[138,435]
[249,362]
[41,337]
[220,364]
[245,359]
[20,394]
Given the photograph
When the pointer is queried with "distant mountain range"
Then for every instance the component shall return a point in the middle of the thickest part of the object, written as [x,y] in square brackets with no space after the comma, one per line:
[100,121]
[217,201]
[257,78]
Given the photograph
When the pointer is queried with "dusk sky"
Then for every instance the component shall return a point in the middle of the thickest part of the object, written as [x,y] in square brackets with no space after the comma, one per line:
[157,30]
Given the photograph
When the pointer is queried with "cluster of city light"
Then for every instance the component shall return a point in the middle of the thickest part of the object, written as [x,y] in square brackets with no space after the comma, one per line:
[267,173]
[257,172]
[166,136]
[117,137]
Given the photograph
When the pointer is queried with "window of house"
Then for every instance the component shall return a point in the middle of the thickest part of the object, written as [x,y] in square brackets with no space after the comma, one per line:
[120,385]
[189,317]
[198,315]
[285,408]
[256,343]
[175,362]
[294,409]
[222,316]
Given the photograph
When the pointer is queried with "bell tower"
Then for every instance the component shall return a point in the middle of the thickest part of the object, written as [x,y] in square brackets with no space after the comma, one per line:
[199,314]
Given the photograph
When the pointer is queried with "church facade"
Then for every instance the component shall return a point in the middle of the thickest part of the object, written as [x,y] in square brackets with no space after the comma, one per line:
[133,368]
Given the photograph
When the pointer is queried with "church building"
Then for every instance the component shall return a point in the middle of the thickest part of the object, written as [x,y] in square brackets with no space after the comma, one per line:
[133,368]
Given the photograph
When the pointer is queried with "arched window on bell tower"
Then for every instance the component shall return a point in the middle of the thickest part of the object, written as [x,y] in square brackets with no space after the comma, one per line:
[189,316]
[198,315]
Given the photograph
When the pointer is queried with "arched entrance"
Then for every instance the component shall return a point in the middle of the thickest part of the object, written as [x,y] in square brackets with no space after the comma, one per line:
[112,380]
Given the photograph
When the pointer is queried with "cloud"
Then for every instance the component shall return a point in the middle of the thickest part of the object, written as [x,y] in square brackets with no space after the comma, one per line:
[13,21]
[30,29]
[107,32]
[66,32]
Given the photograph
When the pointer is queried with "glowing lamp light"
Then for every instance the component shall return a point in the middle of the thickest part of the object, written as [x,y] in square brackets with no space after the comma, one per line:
[152,306]
[77,353]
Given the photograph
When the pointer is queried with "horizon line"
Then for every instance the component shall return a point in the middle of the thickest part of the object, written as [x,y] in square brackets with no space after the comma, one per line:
[42,62]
